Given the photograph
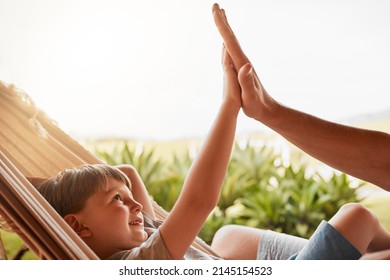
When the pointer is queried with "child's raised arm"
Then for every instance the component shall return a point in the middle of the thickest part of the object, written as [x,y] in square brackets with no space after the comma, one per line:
[203,183]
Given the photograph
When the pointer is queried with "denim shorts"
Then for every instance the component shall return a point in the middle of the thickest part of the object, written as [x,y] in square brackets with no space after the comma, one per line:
[327,243]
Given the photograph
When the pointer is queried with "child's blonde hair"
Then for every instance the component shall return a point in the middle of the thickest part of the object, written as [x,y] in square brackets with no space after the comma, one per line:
[69,190]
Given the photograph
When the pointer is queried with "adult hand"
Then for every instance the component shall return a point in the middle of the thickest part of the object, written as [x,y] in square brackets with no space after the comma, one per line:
[229,38]
[256,102]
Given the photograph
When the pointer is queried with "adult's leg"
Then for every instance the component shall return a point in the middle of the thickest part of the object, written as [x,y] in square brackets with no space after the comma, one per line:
[361,228]
[235,242]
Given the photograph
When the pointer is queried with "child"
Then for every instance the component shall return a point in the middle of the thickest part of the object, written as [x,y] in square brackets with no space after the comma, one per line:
[106,210]
[109,208]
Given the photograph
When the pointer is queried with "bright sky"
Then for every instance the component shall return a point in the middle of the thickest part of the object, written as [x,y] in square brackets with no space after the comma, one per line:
[151,69]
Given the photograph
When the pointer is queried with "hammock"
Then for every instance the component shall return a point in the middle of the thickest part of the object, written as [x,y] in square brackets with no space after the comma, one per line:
[32,145]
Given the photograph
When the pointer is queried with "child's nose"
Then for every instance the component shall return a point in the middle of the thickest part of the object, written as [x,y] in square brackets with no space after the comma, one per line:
[135,206]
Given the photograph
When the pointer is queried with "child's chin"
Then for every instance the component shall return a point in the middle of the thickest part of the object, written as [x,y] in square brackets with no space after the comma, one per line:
[145,236]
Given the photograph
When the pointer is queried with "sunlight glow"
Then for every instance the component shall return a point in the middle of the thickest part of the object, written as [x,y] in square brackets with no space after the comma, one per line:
[151,69]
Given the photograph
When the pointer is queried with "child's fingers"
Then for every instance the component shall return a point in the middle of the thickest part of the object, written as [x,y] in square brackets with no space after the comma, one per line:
[227,62]
[223,54]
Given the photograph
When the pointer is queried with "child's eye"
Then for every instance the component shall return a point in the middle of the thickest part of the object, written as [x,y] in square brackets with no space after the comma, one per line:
[118,197]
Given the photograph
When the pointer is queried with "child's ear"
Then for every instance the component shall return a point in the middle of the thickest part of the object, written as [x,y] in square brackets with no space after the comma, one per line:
[77,226]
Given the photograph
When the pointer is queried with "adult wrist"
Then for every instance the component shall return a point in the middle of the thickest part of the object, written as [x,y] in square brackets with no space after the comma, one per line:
[270,114]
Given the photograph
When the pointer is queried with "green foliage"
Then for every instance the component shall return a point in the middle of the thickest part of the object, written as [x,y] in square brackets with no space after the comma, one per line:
[14,245]
[163,180]
[259,191]
[247,167]
[295,203]
[147,166]
[168,188]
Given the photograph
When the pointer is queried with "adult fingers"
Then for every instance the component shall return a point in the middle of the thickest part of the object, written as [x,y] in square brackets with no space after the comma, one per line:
[247,80]
[232,45]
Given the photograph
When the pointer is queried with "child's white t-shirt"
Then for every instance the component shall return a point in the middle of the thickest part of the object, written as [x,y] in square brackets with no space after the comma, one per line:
[154,248]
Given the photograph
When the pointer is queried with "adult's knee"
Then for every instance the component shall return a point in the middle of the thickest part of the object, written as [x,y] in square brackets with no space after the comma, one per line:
[359,212]
[237,242]
[224,240]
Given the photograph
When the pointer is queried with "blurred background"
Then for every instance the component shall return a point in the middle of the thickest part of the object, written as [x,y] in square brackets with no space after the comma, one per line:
[151,69]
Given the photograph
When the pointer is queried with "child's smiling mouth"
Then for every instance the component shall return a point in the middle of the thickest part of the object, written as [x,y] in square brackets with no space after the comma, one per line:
[136,222]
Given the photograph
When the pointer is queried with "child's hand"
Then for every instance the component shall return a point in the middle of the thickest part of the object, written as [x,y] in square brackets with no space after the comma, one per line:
[231,88]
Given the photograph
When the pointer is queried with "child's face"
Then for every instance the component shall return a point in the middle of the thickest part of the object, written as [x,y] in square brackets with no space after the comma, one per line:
[114,219]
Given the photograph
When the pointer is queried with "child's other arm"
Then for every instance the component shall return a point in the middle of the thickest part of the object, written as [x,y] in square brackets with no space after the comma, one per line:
[203,183]
[139,190]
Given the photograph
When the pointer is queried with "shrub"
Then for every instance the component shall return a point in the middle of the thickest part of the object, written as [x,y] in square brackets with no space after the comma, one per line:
[258,190]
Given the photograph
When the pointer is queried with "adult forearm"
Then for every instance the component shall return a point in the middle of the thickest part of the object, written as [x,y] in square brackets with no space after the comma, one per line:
[359,152]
